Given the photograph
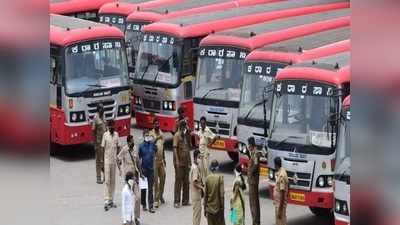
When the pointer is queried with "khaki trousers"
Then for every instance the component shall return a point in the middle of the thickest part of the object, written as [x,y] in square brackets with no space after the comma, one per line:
[281,221]
[159,181]
[216,219]
[181,185]
[196,211]
[254,199]
[99,155]
[109,187]
[203,166]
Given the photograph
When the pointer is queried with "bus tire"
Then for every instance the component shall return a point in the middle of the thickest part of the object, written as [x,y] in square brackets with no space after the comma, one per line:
[234,156]
[321,212]
[53,148]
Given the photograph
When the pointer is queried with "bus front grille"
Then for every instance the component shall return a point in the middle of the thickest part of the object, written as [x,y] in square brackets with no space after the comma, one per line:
[151,104]
[109,106]
[302,180]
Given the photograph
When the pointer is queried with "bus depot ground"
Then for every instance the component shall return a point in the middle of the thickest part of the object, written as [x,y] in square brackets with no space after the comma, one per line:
[78,200]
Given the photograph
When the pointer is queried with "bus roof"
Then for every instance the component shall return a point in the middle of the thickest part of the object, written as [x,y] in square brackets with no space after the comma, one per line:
[257,35]
[204,24]
[73,6]
[189,7]
[302,48]
[66,30]
[334,69]
[125,7]
[347,101]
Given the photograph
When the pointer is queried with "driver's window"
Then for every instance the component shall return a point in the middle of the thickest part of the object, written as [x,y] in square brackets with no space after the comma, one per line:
[54,71]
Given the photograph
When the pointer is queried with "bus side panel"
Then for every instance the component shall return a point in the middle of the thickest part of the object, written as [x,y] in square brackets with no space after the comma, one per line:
[188,107]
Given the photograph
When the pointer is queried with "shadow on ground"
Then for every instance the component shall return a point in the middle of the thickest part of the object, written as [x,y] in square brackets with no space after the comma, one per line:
[73,153]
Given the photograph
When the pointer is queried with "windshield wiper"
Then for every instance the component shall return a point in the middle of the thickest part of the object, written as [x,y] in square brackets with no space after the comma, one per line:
[211,90]
[253,107]
[145,71]
[158,71]
[285,140]
[90,86]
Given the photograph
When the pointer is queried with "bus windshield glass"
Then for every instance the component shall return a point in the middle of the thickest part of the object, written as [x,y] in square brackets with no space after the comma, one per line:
[159,61]
[95,65]
[302,118]
[219,76]
[133,36]
[257,90]
[343,147]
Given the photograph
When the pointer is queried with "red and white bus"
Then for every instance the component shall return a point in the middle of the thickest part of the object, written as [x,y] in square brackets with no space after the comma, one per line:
[343,167]
[82,9]
[303,128]
[167,59]
[260,68]
[219,73]
[136,20]
[115,13]
[87,67]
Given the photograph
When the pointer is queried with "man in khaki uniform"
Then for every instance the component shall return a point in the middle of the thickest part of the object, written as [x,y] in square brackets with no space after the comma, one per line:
[98,128]
[110,145]
[253,177]
[182,161]
[214,199]
[159,164]
[197,188]
[206,137]
[129,160]
[280,193]
[181,117]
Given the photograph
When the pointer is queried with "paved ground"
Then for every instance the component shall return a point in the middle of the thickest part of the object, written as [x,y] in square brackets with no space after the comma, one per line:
[78,200]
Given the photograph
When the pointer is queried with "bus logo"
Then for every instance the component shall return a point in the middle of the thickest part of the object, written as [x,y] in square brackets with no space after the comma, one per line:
[295,178]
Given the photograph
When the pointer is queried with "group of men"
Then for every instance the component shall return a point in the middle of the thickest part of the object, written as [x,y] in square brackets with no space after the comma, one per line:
[148,163]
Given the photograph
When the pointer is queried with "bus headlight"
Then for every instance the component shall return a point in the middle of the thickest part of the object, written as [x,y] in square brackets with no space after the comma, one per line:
[77,116]
[325,181]
[137,100]
[329,181]
[169,105]
[341,207]
[337,206]
[124,110]
[321,181]
[271,174]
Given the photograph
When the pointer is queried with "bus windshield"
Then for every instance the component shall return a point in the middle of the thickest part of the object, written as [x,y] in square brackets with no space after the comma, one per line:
[343,147]
[95,65]
[132,39]
[257,90]
[305,122]
[158,63]
[219,78]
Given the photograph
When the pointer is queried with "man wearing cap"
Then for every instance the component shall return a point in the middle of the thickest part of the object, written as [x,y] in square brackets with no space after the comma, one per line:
[214,200]
[98,128]
[253,176]
[280,192]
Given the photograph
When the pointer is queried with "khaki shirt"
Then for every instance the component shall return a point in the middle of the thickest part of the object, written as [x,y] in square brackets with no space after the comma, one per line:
[214,193]
[126,157]
[195,178]
[204,140]
[159,156]
[282,184]
[254,164]
[182,149]
[110,144]
[98,127]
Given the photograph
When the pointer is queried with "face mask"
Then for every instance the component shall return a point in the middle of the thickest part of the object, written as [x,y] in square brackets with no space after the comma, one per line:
[147,138]
[130,182]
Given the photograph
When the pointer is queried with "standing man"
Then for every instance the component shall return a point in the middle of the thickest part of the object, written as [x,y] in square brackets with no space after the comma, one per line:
[159,172]
[214,200]
[110,145]
[129,158]
[181,117]
[99,128]
[197,188]
[253,175]
[206,138]
[280,193]
[147,151]
[182,145]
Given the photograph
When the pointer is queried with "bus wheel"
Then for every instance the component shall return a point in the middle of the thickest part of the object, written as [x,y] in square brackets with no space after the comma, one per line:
[234,156]
[321,212]
[53,148]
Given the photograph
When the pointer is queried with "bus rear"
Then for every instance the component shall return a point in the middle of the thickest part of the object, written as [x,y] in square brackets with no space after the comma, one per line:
[88,67]
[343,168]
[82,9]
[303,128]
[218,86]
[260,68]
[167,59]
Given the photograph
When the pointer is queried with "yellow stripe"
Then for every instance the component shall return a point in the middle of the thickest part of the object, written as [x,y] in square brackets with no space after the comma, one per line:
[188,78]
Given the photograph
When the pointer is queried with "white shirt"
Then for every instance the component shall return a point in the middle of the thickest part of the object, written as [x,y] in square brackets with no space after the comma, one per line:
[128,204]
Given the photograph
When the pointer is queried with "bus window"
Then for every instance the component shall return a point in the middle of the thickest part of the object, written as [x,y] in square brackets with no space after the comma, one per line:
[188,90]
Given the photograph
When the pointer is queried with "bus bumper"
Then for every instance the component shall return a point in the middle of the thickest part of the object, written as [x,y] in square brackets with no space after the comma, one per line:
[225,144]
[307,198]
[341,222]
[145,120]
[72,135]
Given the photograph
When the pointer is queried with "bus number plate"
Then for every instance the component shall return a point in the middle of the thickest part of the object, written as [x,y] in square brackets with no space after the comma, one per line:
[263,171]
[218,144]
[297,197]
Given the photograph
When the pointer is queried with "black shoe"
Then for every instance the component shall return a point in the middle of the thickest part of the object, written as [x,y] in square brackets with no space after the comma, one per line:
[152,210]
[162,200]
[106,207]
[137,222]
[176,205]
[144,208]
[186,204]
[99,181]
[112,205]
